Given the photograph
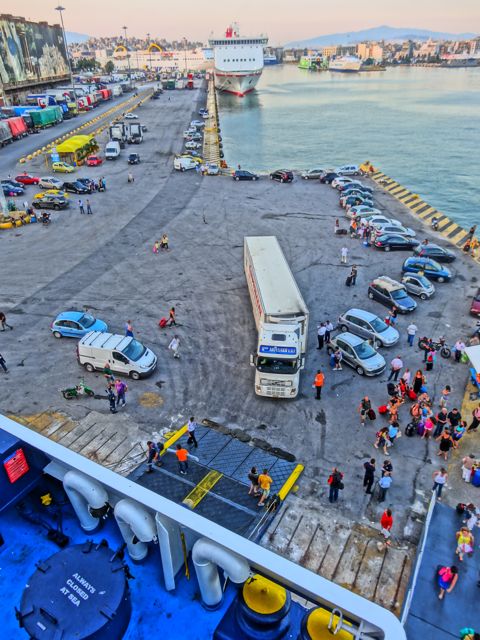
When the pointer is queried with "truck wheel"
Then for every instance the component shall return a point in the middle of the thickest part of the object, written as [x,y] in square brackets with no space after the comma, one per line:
[134,375]
[89,367]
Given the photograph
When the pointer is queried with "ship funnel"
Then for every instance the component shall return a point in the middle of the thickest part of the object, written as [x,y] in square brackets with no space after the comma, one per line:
[88,498]
[137,527]
[207,556]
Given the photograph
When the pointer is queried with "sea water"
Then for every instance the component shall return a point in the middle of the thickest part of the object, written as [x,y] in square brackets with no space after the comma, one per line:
[419,125]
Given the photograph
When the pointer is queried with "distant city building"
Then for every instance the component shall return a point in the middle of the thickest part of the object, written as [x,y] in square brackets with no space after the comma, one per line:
[370,50]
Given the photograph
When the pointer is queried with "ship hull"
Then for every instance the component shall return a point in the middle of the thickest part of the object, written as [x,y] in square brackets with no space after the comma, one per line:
[237,83]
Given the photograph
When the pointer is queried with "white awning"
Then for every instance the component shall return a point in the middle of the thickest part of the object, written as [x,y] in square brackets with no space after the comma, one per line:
[473,354]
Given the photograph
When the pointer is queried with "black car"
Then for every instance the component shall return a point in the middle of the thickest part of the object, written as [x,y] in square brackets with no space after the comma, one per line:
[133,158]
[352,186]
[281,175]
[240,174]
[391,242]
[50,202]
[87,182]
[435,251]
[328,178]
[14,183]
[76,187]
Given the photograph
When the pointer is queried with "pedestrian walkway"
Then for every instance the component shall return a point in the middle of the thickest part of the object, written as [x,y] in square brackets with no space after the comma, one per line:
[429,617]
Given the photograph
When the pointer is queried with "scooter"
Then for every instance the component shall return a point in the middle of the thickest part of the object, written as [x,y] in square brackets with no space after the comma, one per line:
[78,391]
[434,223]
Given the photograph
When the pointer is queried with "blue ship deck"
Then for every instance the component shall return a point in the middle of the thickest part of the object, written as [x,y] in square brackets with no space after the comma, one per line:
[153,608]
[433,619]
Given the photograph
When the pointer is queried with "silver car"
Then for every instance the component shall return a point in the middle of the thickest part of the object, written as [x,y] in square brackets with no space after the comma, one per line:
[418,285]
[368,325]
[358,354]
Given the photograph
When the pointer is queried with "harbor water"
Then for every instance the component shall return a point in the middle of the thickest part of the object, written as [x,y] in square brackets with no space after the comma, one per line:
[419,125]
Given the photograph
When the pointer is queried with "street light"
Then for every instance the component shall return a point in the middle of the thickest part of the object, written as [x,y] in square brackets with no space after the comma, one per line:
[128,57]
[149,52]
[60,9]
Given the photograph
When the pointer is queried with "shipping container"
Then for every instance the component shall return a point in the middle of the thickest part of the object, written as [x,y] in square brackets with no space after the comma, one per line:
[21,109]
[17,127]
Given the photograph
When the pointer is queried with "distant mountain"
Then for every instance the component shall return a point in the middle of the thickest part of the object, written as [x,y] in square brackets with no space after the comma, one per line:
[76,37]
[377,33]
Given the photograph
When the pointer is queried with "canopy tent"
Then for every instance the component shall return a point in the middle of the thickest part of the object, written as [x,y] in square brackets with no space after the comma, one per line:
[75,149]
[74,144]
[473,354]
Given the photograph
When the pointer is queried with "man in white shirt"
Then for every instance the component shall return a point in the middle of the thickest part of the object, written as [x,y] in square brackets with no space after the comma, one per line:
[191,426]
[344,253]
[328,330]
[174,346]
[321,331]
[396,366]
[411,331]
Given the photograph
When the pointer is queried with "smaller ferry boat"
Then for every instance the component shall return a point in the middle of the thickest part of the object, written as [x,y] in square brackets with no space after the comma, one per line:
[269,58]
[345,64]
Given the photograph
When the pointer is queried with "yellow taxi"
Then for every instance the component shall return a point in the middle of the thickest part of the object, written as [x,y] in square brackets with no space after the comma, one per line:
[62,167]
[50,192]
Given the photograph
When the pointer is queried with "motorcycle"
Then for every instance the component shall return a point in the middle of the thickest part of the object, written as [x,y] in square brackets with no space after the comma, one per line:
[78,391]
[434,223]
[438,345]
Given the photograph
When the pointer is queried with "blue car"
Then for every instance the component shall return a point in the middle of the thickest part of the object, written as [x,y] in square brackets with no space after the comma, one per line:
[427,267]
[10,190]
[75,324]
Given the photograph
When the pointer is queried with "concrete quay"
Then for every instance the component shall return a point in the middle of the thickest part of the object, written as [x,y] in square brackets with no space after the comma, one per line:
[105,263]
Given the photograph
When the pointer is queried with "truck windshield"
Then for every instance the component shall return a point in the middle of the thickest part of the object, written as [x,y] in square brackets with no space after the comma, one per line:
[134,351]
[276,365]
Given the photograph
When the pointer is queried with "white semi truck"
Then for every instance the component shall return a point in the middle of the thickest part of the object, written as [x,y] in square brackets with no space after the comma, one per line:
[281,316]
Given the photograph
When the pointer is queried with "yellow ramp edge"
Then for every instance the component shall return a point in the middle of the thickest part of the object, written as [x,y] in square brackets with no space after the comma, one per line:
[198,493]
[173,439]
[290,482]
[449,229]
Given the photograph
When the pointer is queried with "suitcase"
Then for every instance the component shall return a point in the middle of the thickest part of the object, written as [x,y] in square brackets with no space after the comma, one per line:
[391,389]
[476,478]
[163,323]
[410,430]
[371,414]
[383,408]
[412,395]
[421,428]
[348,281]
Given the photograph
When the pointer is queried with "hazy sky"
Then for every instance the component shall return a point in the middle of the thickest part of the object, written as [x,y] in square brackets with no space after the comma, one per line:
[281,20]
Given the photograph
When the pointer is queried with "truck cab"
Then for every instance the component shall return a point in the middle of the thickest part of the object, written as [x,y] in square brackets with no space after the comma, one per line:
[278,361]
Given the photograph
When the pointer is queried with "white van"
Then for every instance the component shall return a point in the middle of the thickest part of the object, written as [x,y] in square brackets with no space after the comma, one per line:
[112,150]
[123,355]
[184,164]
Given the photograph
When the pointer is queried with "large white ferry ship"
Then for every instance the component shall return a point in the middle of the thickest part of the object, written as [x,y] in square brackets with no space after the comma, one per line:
[345,64]
[238,61]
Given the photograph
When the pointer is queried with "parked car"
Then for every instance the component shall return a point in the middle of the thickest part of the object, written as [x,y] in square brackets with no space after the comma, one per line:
[188,133]
[25,178]
[368,325]
[440,254]
[328,177]
[88,182]
[313,174]
[195,137]
[358,353]
[203,112]
[94,161]
[427,267]
[380,219]
[240,174]
[13,183]
[11,191]
[348,170]
[197,123]
[212,169]
[76,187]
[130,116]
[341,181]
[56,193]
[192,155]
[133,158]
[75,324]
[184,164]
[362,211]
[418,285]
[356,184]
[50,182]
[391,293]
[62,167]
[282,175]
[192,145]
[397,229]
[475,306]
[352,201]
[393,242]
[50,202]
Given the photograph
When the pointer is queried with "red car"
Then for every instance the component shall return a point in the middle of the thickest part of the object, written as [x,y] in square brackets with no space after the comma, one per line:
[475,308]
[94,161]
[24,178]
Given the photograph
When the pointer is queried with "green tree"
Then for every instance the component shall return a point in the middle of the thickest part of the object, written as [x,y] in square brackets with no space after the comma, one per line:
[109,67]
[86,64]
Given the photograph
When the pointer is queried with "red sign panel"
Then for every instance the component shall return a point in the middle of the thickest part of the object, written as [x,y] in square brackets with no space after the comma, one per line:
[16,465]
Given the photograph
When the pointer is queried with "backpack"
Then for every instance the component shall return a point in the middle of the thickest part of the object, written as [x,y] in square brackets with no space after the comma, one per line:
[410,430]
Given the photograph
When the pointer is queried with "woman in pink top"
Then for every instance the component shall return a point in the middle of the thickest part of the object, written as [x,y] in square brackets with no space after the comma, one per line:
[427,432]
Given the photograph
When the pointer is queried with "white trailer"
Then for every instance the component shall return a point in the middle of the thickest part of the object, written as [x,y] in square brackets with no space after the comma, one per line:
[281,317]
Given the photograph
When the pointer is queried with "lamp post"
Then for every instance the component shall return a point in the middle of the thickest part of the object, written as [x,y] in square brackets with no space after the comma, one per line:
[128,57]
[60,9]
